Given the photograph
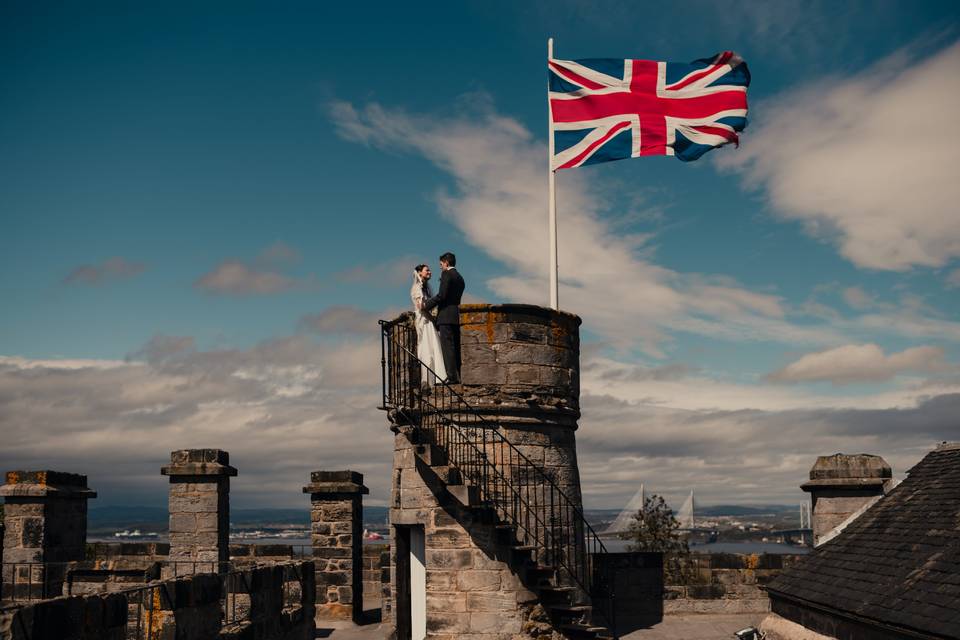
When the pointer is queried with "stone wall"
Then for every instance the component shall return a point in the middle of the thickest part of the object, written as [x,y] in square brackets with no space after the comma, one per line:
[135,554]
[249,554]
[636,581]
[470,587]
[128,553]
[522,352]
[376,574]
[85,578]
[275,611]
[273,606]
[67,618]
[723,583]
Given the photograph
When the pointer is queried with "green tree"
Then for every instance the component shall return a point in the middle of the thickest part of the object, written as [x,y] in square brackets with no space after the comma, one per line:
[655,529]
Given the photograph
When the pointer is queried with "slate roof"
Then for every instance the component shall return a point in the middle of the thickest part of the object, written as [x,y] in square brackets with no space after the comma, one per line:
[899,562]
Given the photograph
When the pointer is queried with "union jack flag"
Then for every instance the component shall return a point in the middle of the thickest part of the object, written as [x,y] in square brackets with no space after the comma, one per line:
[608,109]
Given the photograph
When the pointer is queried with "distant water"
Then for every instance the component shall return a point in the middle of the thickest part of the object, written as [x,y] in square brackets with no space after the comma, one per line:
[295,542]
[749,547]
[616,545]
[612,544]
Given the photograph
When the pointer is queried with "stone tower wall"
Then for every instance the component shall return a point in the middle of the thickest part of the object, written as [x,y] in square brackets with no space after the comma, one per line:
[520,370]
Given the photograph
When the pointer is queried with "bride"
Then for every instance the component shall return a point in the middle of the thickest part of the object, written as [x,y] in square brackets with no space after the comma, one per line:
[428,341]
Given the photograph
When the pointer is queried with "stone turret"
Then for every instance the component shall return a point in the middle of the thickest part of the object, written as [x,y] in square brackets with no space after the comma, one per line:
[841,485]
[520,370]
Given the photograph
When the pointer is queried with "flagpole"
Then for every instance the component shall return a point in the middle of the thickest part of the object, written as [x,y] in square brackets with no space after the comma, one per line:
[552,187]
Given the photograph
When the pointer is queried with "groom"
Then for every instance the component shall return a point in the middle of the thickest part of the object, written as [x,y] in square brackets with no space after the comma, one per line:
[447,302]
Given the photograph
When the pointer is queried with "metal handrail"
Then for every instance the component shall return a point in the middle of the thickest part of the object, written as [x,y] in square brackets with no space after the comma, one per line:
[544,516]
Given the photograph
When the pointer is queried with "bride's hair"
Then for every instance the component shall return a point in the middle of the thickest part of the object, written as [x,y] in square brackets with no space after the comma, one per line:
[419,282]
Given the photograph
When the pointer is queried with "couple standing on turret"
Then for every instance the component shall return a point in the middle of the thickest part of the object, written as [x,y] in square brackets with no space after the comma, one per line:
[438,349]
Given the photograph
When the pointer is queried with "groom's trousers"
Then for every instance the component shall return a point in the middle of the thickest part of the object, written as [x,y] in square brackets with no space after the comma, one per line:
[450,346]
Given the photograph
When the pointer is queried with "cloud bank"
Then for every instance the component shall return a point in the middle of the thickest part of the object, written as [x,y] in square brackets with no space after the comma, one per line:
[866,162]
[290,405]
[281,408]
[860,363]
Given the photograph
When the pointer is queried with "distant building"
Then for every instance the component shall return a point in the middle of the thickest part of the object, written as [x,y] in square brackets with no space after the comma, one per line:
[892,572]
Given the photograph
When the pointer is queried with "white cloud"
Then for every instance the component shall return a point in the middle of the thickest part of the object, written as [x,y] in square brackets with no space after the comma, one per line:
[107,271]
[389,274]
[868,161]
[236,278]
[953,279]
[343,319]
[857,298]
[260,276]
[499,203]
[860,363]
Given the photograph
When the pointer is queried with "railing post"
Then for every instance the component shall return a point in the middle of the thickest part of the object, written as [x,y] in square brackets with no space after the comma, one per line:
[383,364]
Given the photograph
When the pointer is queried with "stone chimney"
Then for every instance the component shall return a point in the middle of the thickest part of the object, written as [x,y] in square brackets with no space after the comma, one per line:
[842,485]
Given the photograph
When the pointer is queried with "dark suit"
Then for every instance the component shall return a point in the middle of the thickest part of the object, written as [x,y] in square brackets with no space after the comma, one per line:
[447,302]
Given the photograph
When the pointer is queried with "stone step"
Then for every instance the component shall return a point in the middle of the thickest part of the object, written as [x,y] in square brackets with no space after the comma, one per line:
[521,552]
[448,474]
[538,575]
[466,494]
[567,614]
[432,455]
[556,595]
[576,631]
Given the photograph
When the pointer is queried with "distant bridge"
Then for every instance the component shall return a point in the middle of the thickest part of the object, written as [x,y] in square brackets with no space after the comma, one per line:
[792,536]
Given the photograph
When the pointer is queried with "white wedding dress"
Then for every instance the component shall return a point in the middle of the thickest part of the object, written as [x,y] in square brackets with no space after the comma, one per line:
[428,340]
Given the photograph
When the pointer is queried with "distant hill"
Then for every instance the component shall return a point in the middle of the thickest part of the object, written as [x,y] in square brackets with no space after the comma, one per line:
[607,515]
[740,510]
[123,516]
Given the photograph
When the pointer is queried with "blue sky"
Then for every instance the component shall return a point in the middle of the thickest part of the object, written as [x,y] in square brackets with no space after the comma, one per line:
[230,192]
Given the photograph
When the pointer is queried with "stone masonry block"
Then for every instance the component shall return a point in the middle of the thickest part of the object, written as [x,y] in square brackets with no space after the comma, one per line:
[450,558]
[186,522]
[447,603]
[494,623]
[478,581]
[491,602]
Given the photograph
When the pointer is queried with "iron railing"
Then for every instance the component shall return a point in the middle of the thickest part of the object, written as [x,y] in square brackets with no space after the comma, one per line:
[522,494]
